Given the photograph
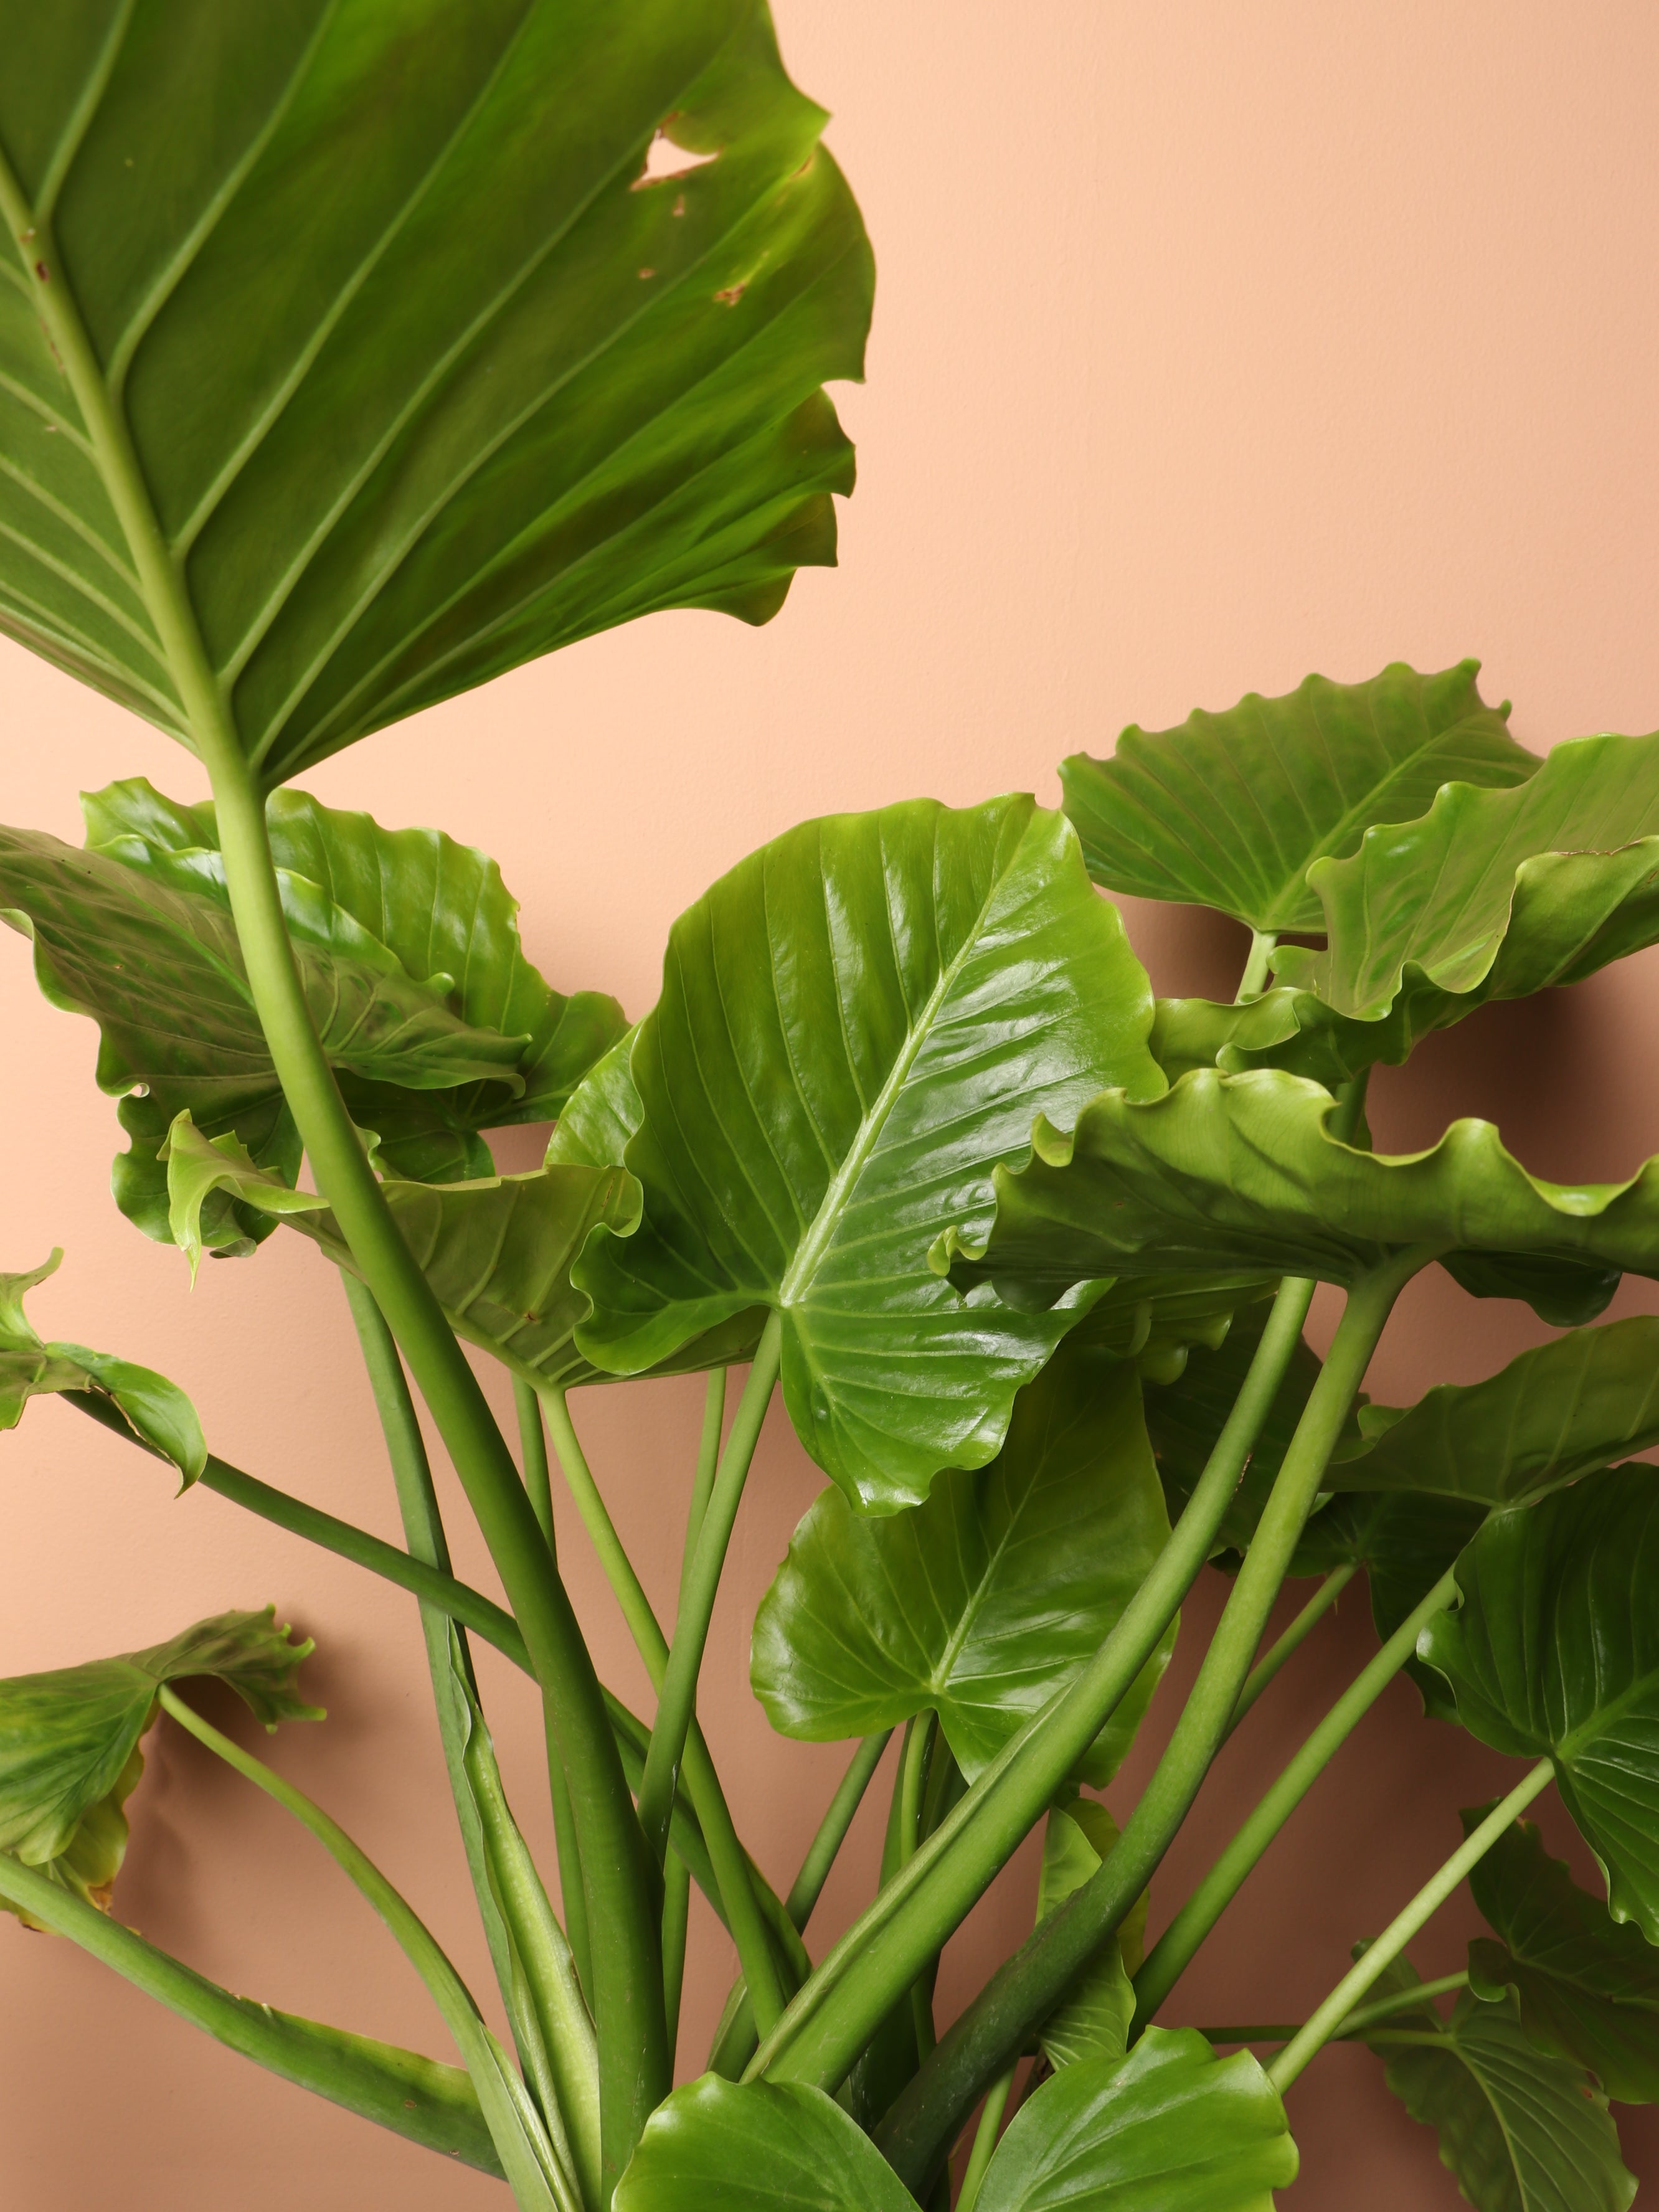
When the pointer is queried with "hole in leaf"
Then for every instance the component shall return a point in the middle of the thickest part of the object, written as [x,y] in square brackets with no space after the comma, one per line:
[664,161]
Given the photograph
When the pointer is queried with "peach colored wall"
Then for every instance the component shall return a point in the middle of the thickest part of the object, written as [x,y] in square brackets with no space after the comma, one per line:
[1216,342]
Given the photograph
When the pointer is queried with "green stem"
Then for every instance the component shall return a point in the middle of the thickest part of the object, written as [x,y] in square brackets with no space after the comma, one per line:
[708,1461]
[985,2138]
[1292,1640]
[1171,1954]
[1253,982]
[829,2020]
[536,2179]
[743,1910]
[821,1852]
[919,1743]
[1400,2000]
[700,1580]
[930,2112]
[1381,1954]
[676,1918]
[532,1451]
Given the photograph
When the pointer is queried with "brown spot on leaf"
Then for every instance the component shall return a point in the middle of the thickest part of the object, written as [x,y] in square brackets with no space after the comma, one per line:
[732,294]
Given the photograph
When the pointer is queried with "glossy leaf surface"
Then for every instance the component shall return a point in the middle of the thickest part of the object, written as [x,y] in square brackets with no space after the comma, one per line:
[157,1411]
[1231,810]
[1241,1171]
[70,1752]
[1522,2131]
[1496,893]
[856,1025]
[1171,2128]
[979,1604]
[1555,1650]
[415,388]
[1587,1988]
[756,2147]
[1092,2018]
[1562,1410]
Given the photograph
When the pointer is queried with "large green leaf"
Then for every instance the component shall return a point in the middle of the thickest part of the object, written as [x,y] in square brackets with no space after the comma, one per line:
[69,1754]
[157,1411]
[1587,1989]
[1495,894]
[1171,2128]
[1092,2018]
[980,1603]
[1522,2131]
[756,2147]
[856,1025]
[372,325]
[1241,1171]
[1561,1410]
[1231,810]
[1555,1650]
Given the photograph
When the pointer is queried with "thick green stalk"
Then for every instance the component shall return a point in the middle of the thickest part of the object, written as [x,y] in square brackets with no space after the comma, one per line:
[821,1852]
[919,1744]
[533,1451]
[1254,980]
[538,2181]
[708,1462]
[1170,1955]
[829,2020]
[700,1580]
[1345,1997]
[929,2114]
[985,2139]
[743,1908]
[676,1917]
[1292,1640]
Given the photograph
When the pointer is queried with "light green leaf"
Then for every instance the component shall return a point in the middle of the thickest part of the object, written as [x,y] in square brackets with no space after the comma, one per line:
[414,389]
[1092,2018]
[1495,894]
[1555,1650]
[210,1180]
[1586,1988]
[979,1604]
[70,1753]
[157,1411]
[1295,1030]
[1522,2131]
[1231,810]
[1171,2128]
[1562,1410]
[756,2147]
[1159,1321]
[1241,1171]
[856,1024]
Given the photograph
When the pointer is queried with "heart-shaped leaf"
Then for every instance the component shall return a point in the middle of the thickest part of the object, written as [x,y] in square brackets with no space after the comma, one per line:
[756,2147]
[1092,2018]
[1555,1650]
[1231,810]
[855,1025]
[1171,2128]
[1241,1171]
[1562,1410]
[157,1411]
[980,1603]
[393,393]
[69,1754]
[1522,2131]
[1495,894]
[1586,1988]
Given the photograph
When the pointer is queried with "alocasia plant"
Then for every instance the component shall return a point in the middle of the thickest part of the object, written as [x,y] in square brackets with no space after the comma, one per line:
[353,351]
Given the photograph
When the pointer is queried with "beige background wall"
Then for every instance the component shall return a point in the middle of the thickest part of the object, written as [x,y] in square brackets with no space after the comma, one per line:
[1216,342]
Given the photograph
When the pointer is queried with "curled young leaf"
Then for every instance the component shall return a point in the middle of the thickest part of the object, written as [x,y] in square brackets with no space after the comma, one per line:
[1092,2018]
[211,1181]
[981,1603]
[157,1411]
[855,1027]
[69,1740]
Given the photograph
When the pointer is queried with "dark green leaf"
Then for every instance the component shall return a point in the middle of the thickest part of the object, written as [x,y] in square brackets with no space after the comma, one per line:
[1521,2130]
[1241,1171]
[1496,894]
[856,1024]
[980,1603]
[1555,1650]
[69,1754]
[1092,2018]
[415,387]
[1405,1544]
[756,2147]
[157,1411]
[1160,1321]
[1231,810]
[1587,1989]
[1562,1410]
[1171,2128]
